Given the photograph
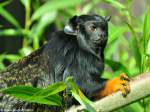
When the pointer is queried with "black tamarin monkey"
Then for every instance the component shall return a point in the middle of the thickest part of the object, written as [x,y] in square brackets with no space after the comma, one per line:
[78,50]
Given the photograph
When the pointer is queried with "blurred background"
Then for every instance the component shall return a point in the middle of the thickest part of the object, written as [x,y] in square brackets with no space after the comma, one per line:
[25,25]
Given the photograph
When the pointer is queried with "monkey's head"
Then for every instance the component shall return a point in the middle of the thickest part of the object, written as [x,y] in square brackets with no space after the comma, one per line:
[91,31]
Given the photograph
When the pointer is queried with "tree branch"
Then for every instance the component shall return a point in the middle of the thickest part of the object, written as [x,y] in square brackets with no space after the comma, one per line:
[140,88]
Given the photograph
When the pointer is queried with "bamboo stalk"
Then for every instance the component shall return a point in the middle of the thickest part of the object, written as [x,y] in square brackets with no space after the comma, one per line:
[140,88]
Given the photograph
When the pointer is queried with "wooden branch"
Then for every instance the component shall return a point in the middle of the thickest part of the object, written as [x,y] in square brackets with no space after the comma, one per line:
[140,88]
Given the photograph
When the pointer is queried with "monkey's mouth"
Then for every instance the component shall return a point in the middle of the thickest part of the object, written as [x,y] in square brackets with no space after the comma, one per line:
[99,41]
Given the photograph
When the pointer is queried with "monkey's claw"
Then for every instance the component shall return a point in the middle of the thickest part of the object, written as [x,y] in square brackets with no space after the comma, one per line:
[123,84]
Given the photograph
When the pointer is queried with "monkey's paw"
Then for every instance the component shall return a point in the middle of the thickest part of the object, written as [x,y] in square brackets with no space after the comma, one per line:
[122,84]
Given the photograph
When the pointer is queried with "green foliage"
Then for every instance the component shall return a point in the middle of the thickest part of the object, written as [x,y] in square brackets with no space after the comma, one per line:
[134,47]
[79,96]
[54,5]
[146,43]
[47,96]
[128,48]
[26,93]
[117,66]
[9,17]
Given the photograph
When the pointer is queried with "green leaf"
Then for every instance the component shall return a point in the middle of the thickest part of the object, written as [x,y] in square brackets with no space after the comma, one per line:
[135,107]
[5,3]
[12,57]
[117,66]
[28,90]
[121,7]
[52,89]
[79,96]
[38,29]
[148,48]
[134,44]
[51,100]
[2,65]
[87,8]
[12,32]
[27,93]
[54,5]
[115,37]
[25,51]
[146,32]
[9,17]
[115,34]
[26,3]
[115,3]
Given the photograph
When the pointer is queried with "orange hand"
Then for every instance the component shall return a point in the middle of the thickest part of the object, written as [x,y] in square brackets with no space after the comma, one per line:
[120,83]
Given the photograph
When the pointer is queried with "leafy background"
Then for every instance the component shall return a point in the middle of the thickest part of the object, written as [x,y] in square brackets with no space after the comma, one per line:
[25,25]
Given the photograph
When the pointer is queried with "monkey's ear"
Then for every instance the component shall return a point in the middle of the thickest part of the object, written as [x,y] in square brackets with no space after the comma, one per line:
[107,18]
[71,26]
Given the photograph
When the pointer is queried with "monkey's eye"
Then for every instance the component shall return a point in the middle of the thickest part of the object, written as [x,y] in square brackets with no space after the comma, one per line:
[92,27]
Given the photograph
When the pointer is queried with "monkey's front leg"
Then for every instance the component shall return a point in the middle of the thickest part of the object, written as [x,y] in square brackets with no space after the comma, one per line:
[120,83]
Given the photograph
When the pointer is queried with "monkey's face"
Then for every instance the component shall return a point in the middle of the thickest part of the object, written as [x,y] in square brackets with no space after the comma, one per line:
[90,30]
[96,30]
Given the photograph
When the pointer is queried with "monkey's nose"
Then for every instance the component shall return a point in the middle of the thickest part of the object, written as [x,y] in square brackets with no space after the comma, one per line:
[102,34]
